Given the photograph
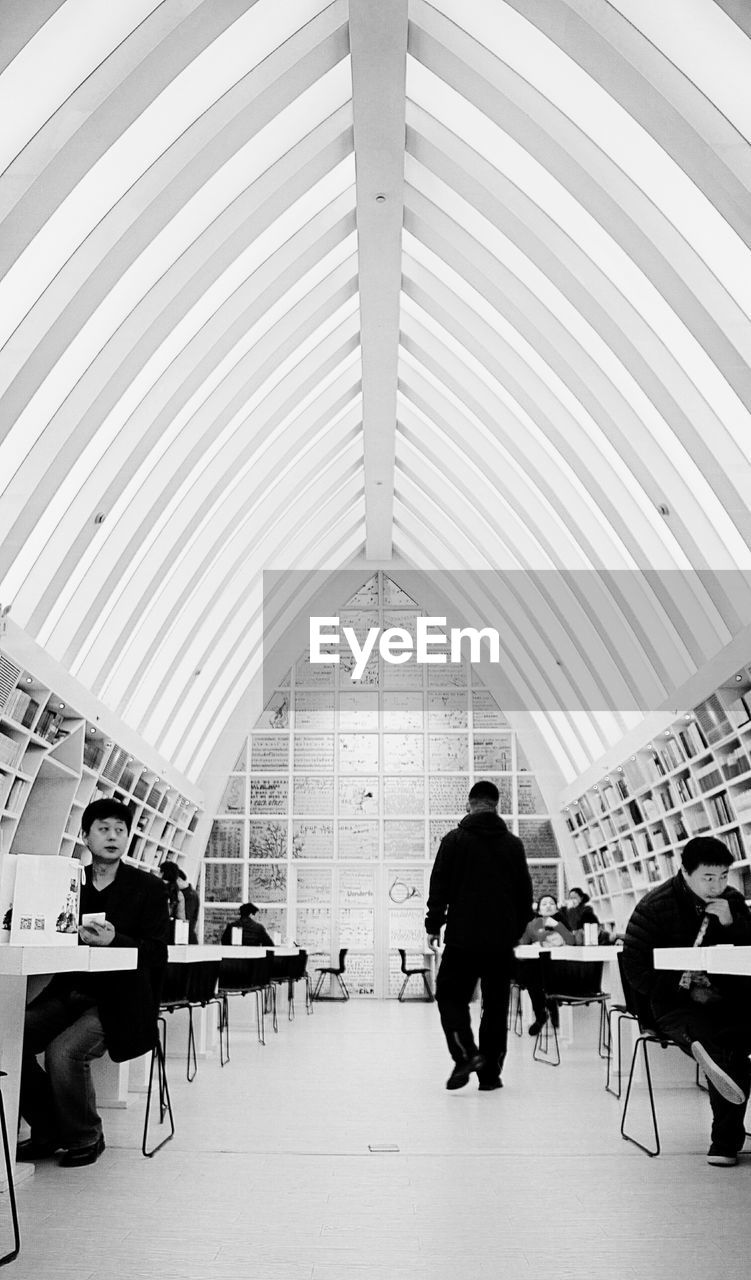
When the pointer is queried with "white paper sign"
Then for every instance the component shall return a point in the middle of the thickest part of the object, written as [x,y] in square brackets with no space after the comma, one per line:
[45,901]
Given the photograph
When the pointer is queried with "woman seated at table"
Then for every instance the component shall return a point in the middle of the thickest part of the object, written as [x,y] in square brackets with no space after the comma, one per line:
[576,912]
[547,930]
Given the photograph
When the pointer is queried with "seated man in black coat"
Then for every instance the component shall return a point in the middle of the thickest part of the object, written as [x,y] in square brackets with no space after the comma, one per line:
[80,1015]
[708,1017]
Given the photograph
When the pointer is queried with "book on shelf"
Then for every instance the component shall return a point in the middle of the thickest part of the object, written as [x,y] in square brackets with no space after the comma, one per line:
[685,787]
[670,754]
[667,799]
[737,712]
[649,805]
[742,804]
[49,724]
[735,844]
[735,763]
[21,708]
[622,788]
[708,776]
[10,750]
[712,720]
[720,809]
[691,738]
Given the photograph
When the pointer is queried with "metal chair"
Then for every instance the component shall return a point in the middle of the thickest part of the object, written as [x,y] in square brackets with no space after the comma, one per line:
[159,1060]
[623,1013]
[190,986]
[416,972]
[573,983]
[332,973]
[299,973]
[239,977]
[8,1257]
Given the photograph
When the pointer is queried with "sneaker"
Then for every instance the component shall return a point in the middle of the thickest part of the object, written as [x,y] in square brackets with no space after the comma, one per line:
[726,1158]
[83,1155]
[723,1083]
[485,1086]
[463,1070]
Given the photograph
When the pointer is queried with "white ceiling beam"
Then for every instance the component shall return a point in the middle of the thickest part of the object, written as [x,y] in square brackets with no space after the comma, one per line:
[378,36]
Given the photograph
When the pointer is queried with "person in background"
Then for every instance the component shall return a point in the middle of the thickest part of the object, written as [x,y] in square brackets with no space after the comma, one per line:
[190,899]
[546,929]
[576,912]
[254,934]
[706,1016]
[481,890]
[80,1015]
[169,871]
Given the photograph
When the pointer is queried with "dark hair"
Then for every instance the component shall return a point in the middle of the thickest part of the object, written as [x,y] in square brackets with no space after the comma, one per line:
[247,909]
[705,851]
[582,895]
[486,791]
[100,810]
[169,871]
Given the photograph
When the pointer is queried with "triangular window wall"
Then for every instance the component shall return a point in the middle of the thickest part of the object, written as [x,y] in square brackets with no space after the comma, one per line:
[333,815]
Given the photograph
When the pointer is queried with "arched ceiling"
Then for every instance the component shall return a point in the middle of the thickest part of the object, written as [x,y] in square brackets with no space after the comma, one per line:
[438,286]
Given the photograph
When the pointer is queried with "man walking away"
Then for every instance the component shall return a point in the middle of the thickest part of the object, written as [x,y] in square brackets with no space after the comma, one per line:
[480,888]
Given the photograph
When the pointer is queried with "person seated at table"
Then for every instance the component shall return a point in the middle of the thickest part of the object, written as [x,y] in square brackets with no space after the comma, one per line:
[576,912]
[706,1016]
[175,897]
[549,931]
[254,934]
[80,1015]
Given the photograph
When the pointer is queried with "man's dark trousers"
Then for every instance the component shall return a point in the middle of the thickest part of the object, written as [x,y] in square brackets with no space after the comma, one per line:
[458,975]
[726,1035]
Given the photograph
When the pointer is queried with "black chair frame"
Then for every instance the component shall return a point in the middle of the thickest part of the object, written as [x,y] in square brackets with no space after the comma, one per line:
[9,1171]
[299,973]
[556,999]
[159,1060]
[620,1012]
[417,972]
[333,972]
[195,988]
[257,981]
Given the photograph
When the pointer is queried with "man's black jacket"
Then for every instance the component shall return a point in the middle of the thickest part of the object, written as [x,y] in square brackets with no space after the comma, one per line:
[128,1000]
[669,916]
[480,886]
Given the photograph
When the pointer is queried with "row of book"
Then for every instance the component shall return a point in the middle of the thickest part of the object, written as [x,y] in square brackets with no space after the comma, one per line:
[21,708]
[10,750]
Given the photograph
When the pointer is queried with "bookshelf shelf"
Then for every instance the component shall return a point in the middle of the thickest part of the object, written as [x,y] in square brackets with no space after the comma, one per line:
[55,758]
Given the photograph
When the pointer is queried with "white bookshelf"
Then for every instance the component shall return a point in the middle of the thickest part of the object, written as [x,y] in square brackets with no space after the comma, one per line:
[693,778]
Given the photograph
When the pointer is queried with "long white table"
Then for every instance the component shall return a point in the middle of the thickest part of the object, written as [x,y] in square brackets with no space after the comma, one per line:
[720,959]
[531,951]
[17,964]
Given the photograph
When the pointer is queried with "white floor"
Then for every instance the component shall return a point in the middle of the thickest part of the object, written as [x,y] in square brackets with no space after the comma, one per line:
[270,1174]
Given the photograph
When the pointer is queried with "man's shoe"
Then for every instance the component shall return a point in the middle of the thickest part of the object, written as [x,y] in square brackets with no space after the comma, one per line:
[723,1083]
[536,1027]
[33,1149]
[726,1158]
[485,1086]
[463,1070]
[83,1155]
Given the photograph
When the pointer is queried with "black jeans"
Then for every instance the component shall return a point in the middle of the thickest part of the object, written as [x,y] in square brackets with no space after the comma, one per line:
[459,972]
[59,1102]
[726,1035]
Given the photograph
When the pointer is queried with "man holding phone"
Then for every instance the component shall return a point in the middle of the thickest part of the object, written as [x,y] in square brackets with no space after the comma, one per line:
[79,1016]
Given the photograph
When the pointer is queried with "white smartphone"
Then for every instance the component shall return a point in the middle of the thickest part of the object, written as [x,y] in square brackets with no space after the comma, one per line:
[94,917]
